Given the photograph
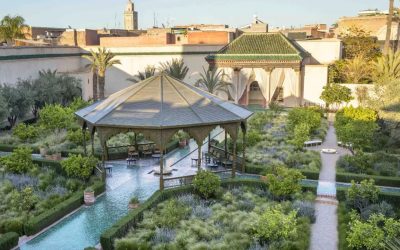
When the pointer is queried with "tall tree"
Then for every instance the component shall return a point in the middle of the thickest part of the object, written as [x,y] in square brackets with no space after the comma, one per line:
[175,68]
[102,59]
[11,28]
[93,68]
[357,70]
[358,42]
[213,81]
[149,71]
[17,102]
[387,67]
[389,27]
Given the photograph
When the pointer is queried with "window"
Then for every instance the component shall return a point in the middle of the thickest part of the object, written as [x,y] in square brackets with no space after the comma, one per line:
[254,86]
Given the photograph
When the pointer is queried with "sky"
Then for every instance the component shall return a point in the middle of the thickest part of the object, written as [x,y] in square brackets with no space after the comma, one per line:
[235,13]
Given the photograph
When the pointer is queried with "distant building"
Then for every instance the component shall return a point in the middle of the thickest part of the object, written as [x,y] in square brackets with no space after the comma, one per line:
[256,26]
[308,31]
[372,21]
[130,16]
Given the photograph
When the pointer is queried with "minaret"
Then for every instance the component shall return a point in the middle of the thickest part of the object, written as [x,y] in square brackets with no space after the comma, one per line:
[130,16]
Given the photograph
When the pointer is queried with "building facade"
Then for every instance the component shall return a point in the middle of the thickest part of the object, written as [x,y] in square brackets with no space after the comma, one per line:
[130,17]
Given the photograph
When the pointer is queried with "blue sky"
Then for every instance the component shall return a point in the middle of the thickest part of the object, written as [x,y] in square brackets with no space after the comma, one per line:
[236,13]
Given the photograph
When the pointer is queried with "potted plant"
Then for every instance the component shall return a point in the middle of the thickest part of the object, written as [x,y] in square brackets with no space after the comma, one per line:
[43,149]
[57,155]
[183,138]
[134,203]
[49,154]
[88,196]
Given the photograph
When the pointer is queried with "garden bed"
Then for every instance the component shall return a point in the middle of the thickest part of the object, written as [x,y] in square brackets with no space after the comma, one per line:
[181,219]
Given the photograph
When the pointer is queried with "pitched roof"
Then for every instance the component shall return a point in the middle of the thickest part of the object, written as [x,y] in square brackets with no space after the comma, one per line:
[259,47]
[162,102]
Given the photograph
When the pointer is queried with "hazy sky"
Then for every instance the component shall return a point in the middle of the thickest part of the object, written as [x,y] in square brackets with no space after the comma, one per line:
[236,13]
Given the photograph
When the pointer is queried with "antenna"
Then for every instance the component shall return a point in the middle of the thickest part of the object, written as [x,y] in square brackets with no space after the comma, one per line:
[154,19]
[115,21]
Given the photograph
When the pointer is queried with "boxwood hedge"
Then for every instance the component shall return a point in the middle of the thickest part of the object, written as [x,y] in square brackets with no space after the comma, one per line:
[8,241]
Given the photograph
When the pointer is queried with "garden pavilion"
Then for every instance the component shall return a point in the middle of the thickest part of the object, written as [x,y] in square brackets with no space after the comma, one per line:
[159,107]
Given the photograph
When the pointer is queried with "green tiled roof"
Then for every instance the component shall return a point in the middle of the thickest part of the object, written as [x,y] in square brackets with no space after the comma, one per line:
[259,47]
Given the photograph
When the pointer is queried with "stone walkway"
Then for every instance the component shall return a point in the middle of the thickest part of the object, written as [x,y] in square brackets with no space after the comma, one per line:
[324,234]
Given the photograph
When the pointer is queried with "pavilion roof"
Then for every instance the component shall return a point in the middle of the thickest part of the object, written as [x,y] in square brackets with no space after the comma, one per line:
[259,47]
[162,102]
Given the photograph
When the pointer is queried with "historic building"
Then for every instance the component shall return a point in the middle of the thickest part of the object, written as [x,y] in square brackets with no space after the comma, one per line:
[130,16]
[263,68]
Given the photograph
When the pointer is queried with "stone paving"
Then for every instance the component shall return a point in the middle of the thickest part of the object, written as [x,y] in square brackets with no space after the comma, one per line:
[324,234]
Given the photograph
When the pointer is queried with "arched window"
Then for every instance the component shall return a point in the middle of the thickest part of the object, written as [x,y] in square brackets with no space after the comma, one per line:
[254,86]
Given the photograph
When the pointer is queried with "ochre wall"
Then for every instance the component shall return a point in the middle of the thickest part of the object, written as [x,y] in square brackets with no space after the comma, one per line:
[208,37]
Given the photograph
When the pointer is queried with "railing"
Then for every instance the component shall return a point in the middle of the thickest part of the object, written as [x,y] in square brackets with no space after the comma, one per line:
[188,180]
[239,160]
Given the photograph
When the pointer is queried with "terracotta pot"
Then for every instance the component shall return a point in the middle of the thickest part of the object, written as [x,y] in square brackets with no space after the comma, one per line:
[43,152]
[89,198]
[133,205]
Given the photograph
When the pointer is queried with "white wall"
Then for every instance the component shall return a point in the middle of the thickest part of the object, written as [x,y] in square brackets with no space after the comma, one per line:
[324,51]
[315,78]
[353,88]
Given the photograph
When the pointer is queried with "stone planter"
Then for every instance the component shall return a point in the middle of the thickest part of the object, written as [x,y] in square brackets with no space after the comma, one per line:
[264,178]
[56,157]
[43,152]
[89,198]
[133,205]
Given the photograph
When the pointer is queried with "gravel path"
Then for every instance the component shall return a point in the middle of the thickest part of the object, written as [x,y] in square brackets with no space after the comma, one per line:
[324,234]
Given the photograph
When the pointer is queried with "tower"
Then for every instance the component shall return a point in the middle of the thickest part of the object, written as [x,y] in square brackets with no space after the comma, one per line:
[130,16]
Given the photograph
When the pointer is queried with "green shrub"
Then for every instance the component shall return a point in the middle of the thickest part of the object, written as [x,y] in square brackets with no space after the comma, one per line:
[171,213]
[129,244]
[361,196]
[275,225]
[26,132]
[8,241]
[284,182]
[79,167]
[76,136]
[206,183]
[20,161]
[301,134]
[304,115]
[56,117]
[373,233]
[12,225]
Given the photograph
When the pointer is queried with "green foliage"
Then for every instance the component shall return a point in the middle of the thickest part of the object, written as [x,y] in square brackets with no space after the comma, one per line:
[252,138]
[372,234]
[175,68]
[171,213]
[387,67]
[259,119]
[284,182]
[275,225]
[20,161]
[149,71]
[26,132]
[56,117]
[335,72]
[357,70]
[336,94]
[78,103]
[206,183]
[361,195]
[301,134]
[79,166]
[213,81]
[17,101]
[9,240]
[76,136]
[11,28]
[358,42]
[356,126]
[304,115]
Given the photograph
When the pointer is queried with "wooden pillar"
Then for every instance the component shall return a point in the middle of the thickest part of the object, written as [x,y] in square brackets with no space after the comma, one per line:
[226,145]
[244,132]
[199,145]
[234,159]
[299,88]
[162,169]
[84,140]
[209,142]
[92,141]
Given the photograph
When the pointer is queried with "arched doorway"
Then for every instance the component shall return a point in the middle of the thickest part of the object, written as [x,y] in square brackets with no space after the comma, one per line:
[255,95]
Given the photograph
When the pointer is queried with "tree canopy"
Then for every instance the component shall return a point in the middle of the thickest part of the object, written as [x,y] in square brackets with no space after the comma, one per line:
[336,94]
[11,28]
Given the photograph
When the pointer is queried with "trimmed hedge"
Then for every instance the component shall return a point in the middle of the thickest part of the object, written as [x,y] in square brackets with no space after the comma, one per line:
[379,180]
[122,226]
[43,220]
[392,198]
[9,241]
[258,169]
[55,165]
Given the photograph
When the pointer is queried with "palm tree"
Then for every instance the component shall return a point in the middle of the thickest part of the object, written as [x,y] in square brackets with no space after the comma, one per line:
[389,27]
[102,60]
[356,70]
[213,81]
[11,28]
[175,68]
[92,66]
[149,71]
[387,67]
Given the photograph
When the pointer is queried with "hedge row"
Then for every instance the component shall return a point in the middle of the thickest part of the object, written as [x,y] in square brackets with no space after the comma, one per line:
[122,227]
[392,198]
[40,222]
[8,241]
[258,169]
[379,180]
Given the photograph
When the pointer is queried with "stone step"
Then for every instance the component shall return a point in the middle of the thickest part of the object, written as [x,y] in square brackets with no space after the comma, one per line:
[327,200]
